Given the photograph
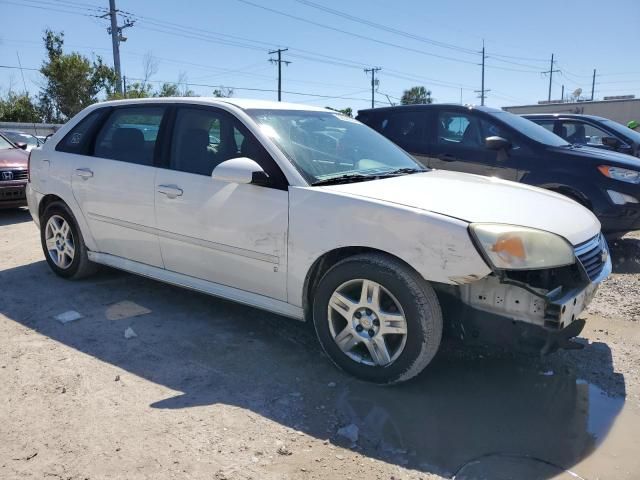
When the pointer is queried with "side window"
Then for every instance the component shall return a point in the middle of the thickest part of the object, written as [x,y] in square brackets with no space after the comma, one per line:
[491,129]
[548,124]
[403,127]
[204,138]
[130,135]
[77,140]
[459,129]
[583,133]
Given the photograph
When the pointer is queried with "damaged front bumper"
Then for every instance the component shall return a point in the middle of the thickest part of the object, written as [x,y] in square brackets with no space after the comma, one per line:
[522,312]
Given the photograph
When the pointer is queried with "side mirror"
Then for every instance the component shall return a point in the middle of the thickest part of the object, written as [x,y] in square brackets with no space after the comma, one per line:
[497,143]
[611,142]
[241,170]
[21,145]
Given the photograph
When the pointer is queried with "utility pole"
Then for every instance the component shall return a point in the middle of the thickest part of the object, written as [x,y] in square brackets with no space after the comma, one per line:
[482,91]
[593,84]
[373,71]
[116,37]
[562,97]
[279,61]
[550,72]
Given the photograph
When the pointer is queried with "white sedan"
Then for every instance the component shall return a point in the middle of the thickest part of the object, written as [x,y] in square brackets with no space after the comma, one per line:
[308,213]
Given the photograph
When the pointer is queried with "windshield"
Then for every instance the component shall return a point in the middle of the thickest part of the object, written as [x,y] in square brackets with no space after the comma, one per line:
[325,145]
[530,129]
[17,137]
[622,130]
[5,144]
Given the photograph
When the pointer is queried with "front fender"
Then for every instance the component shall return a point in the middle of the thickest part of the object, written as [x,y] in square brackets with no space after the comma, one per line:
[437,246]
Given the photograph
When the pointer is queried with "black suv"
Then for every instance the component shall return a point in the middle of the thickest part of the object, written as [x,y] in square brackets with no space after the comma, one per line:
[590,130]
[496,143]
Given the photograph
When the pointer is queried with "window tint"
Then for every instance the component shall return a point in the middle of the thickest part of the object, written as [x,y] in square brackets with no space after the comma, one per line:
[459,129]
[77,140]
[130,134]
[548,124]
[402,127]
[204,138]
[582,133]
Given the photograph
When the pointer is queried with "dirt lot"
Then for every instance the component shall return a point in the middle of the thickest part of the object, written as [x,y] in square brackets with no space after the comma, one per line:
[214,390]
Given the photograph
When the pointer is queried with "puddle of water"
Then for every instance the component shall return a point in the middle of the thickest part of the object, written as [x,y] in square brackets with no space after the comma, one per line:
[484,416]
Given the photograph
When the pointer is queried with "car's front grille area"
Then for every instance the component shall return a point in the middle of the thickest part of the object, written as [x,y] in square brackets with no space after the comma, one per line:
[11,175]
[593,255]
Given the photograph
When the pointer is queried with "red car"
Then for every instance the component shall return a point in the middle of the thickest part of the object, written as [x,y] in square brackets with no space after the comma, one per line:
[13,174]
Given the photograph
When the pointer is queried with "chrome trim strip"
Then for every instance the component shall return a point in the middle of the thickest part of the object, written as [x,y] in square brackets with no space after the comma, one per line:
[262,257]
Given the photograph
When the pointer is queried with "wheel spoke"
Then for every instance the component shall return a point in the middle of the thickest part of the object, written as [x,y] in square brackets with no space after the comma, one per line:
[378,350]
[64,229]
[69,250]
[370,294]
[341,304]
[347,339]
[51,243]
[392,323]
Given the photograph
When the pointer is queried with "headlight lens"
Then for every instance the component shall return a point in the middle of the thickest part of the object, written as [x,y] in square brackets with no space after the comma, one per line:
[622,174]
[509,247]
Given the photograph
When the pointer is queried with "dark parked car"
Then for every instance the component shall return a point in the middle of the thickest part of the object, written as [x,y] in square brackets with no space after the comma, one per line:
[496,143]
[590,130]
[13,174]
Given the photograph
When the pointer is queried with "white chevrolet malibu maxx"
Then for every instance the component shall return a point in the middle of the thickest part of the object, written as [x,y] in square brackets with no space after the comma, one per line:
[308,213]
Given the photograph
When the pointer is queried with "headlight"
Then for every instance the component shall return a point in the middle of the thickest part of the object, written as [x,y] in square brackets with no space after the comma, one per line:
[509,247]
[622,174]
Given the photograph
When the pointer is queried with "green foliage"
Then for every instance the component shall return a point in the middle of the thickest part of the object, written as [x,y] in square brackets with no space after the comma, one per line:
[345,111]
[223,92]
[18,108]
[416,95]
[72,80]
[168,90]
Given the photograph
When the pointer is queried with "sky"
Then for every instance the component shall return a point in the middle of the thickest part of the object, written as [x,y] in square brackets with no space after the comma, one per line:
[212,43]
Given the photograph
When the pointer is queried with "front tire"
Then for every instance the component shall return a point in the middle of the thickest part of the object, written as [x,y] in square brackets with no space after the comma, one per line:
[377,319]
[63,244]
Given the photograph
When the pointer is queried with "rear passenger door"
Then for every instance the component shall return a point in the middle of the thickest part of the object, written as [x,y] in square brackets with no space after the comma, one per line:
[407,129]
[115,183]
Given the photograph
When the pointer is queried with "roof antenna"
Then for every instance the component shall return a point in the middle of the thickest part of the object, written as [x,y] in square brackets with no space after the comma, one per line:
[24,84]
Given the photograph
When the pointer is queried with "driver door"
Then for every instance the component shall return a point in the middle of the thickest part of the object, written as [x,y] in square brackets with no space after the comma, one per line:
[230,234]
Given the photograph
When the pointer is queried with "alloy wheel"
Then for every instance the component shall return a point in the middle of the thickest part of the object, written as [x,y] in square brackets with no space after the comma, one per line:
[60,242]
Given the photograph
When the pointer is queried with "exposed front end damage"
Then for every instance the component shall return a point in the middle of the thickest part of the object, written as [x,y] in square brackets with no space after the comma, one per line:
[530,309]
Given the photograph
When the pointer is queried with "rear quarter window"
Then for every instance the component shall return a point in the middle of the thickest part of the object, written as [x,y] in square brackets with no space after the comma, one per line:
[79,138]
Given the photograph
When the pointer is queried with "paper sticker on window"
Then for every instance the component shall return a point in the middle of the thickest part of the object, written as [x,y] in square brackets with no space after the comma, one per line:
[75,138]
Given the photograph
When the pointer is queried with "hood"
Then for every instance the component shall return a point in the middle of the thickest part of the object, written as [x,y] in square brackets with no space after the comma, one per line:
[474,198]
[607,157]
[13,158]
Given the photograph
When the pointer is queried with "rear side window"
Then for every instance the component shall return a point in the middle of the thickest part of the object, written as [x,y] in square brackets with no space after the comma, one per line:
[130,135]
[548,124]
[78,139]
[402,127]
[583,133]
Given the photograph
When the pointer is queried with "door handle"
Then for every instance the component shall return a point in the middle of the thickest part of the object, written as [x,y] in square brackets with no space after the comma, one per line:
[84,173]
[447,157]
[171,191]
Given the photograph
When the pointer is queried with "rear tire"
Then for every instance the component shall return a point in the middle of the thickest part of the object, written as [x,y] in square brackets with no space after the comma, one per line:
[377,319]
[63,244]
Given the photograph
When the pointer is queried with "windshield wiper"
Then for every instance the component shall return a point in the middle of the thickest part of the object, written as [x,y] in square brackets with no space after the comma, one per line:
[347,178]
[359,177]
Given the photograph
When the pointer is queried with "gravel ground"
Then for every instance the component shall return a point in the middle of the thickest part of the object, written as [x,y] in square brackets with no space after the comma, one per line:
[208,389]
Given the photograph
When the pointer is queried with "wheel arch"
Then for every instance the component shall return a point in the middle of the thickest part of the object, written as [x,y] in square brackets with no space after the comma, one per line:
[323,263]
[50,198]
[571,192]
[46,201]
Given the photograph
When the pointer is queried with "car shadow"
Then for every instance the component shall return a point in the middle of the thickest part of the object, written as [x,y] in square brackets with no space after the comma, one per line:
[625,255]
[12,216]
[467,412]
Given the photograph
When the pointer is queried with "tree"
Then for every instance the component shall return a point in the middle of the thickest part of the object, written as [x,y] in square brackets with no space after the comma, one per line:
[73,82]
[416,96]
[168,90]
[345,111]
[18,108]
[223,92]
